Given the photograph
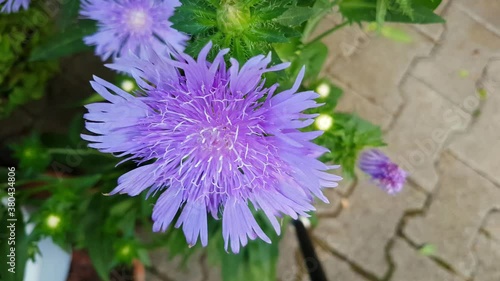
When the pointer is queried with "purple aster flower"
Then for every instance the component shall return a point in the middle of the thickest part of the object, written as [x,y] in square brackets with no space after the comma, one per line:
[132,25]
[386,174]
[10,6]
[212,140]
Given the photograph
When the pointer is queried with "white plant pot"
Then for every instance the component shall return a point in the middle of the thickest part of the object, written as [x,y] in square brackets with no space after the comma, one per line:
[52,263]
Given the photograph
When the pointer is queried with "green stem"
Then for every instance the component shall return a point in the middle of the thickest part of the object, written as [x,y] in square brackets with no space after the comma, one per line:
[313,23]
[73,151]
[328,32]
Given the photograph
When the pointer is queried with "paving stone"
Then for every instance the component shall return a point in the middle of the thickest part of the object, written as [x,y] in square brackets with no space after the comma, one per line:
[434,31]
[410,265]
[376,69]
[334,268]
[332,208]
[353,102]
[344,42]
[458,62]
[488,259]
[346,185]
[492,226]
[457,210]
[175,269]
[212,272]
[289,268]
[482,152]
[486,12]
[363,229]
[418,135]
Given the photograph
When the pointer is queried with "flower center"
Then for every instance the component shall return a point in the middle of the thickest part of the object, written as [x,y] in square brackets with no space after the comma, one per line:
[217,138]
[137,20]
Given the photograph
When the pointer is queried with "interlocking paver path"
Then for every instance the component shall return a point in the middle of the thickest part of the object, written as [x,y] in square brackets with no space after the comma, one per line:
[425,95]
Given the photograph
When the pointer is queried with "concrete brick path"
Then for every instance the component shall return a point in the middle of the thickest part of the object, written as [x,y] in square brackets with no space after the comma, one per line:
[445,225]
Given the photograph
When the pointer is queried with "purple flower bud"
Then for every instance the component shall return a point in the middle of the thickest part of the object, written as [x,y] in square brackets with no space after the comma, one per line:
[386,174]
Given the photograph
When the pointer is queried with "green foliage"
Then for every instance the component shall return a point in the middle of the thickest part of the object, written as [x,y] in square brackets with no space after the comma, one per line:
[33,156]
[255,262]
[25,245]
[20,80]
[311,56]
[347,137]
[67,42]
[416,11]
[247,27]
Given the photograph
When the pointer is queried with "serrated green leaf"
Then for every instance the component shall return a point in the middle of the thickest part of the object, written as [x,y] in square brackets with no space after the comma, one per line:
[68,42]
[194,17]
[295,16]
[268,34]
[421,15]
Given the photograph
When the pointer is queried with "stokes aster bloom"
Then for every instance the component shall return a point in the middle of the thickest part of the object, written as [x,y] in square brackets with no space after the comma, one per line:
[386,174]
[215,141]
[131,25]
[10,6]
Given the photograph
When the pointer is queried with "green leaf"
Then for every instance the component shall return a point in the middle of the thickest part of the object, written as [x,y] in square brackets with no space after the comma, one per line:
[321,8]
[68,42]
[431,4]
[22,244]
[421,15]
[68,14]
[427,250]
[367,10]
[312,56]
[194,17]
[270,34]
[33,156]
[295,16]
[256,262]
[98,243]
[348,136]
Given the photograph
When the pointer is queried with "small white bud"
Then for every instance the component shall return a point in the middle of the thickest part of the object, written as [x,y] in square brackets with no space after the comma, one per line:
[127,85]
[324,122]
[323,90]
[53,221]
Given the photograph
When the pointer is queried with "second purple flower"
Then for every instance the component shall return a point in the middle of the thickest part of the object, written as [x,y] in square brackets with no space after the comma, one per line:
[130,26]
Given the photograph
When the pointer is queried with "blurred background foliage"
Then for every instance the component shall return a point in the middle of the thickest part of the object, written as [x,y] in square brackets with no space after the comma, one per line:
[66,182]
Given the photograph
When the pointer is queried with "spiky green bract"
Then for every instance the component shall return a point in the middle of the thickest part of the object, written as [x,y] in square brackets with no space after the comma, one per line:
[247,27]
